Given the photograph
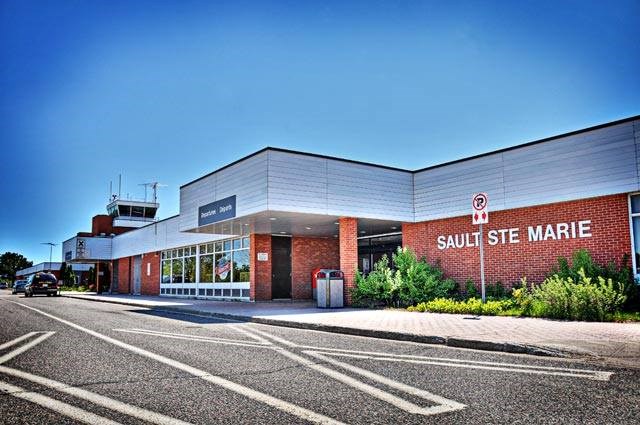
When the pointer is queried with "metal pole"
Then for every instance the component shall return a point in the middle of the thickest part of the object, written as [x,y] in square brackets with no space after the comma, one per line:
[482,264]
[50,251]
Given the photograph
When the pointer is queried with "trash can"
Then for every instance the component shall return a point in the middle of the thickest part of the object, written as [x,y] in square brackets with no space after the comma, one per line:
[330,288]
[315,273]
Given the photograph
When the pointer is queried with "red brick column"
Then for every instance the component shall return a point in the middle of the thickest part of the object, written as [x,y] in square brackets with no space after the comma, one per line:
[260,288]
[124,265]
[150,285]
[348,253]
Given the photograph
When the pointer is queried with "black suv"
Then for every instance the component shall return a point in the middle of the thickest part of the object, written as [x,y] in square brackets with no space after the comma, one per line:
[41,283]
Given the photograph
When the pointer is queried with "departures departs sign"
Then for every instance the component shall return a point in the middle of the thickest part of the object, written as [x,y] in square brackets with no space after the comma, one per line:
[480,210]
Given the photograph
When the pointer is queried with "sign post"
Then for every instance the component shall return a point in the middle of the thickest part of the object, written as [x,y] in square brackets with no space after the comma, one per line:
[480,216]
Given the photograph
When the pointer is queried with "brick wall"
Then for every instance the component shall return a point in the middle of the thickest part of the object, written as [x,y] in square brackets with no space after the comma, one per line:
[260,270]
[508,262]
[124,269]
[150,283]
[308,254]
[348,253]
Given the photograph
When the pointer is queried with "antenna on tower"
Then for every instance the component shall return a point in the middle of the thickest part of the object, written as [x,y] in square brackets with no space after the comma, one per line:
[154,186]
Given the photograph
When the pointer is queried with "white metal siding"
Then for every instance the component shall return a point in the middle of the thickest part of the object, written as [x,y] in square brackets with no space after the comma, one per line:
[595,163]
[308,184]
[157,237]
[247,180]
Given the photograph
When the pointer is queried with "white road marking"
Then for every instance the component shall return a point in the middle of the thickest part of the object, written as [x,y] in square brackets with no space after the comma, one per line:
[192,337]
[506,367]
[5,358]
[442,404]
[109,403]
[282,405]
[55,405]
[461,363]
[243,330]
[17,340]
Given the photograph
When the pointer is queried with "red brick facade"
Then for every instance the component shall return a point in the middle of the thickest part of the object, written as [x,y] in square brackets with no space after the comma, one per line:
[508,262]
[124,275]
[308,254]
[348,253]
[150,282]
[260,270]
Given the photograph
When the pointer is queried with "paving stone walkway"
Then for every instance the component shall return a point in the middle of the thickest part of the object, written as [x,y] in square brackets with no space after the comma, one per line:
[613,343]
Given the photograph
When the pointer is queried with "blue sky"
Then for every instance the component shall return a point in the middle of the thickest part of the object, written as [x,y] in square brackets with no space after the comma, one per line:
[170,91]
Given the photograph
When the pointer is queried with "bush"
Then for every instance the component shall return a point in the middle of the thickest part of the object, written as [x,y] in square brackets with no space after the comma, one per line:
[413,281]
[470,306]
[470,289]
[563,298]
[377,287]
[582,260]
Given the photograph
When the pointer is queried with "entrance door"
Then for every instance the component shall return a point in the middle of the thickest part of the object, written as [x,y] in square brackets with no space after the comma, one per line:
[280,267]
[137,274]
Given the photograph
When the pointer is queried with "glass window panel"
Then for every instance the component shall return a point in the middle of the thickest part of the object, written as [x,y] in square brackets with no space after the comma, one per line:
[635,204]
[206,268]
[202,249]
[227,246]
[209,248]
[180,252]
[218,246]
[190,269]
[245,242]
[176,270]
[137,211]
[241,268]
[636,241]
[166,271]
[175,253]
[164,255]
[237,244]
[223,267]
[193,250]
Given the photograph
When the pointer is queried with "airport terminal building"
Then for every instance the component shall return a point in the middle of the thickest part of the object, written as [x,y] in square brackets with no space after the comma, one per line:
[256,228]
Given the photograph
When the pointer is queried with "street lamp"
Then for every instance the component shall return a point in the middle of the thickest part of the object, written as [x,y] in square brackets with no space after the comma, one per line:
[51,245]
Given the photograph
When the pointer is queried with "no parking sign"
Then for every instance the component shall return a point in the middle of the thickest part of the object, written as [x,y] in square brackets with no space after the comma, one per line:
[480,204]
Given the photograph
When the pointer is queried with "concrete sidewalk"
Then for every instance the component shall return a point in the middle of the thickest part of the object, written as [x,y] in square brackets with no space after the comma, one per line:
[613,343]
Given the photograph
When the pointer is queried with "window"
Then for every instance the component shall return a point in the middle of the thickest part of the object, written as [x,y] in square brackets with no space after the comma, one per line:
[190,270]
[223,267]
[241,266]
[166,271]
[206,268]
[176,270]
[635,226]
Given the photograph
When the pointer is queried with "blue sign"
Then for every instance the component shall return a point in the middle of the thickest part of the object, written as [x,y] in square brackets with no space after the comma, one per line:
[223,209]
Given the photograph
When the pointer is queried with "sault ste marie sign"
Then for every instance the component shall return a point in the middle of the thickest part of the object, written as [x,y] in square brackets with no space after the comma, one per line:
[513,235]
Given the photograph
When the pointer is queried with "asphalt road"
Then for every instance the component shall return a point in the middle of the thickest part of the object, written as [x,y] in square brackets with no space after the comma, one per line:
[72,361]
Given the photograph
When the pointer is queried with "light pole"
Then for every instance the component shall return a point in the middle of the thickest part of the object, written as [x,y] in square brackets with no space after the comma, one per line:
[51,245]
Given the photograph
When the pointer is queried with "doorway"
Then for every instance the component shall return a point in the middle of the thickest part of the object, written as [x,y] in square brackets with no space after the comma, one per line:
[137,274]
[280,267]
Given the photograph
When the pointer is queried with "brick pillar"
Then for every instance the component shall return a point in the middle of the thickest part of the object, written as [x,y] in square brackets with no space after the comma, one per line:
[260,273]
[348,254]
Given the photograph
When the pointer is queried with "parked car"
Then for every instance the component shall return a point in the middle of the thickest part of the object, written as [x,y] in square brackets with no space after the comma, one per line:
[18,286]
[3,285]
[41,283]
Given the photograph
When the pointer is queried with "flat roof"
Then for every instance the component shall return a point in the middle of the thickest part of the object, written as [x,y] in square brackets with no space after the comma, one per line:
[522,145]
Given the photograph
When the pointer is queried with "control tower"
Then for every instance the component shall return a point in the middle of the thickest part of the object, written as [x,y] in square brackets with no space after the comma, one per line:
[134,213]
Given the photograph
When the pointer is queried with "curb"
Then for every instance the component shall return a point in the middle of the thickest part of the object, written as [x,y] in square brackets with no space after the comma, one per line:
[505,347]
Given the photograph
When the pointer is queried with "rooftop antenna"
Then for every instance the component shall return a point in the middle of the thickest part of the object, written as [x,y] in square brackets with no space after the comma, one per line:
[119,186]
[110,191]
[154,186]
[51,245]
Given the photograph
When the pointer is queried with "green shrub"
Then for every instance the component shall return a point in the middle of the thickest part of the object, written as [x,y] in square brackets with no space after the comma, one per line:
[418,281]
[470,306]
[583,299]
[470,289]
[620,275]
[377,287]
[495,291]
[413,281]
